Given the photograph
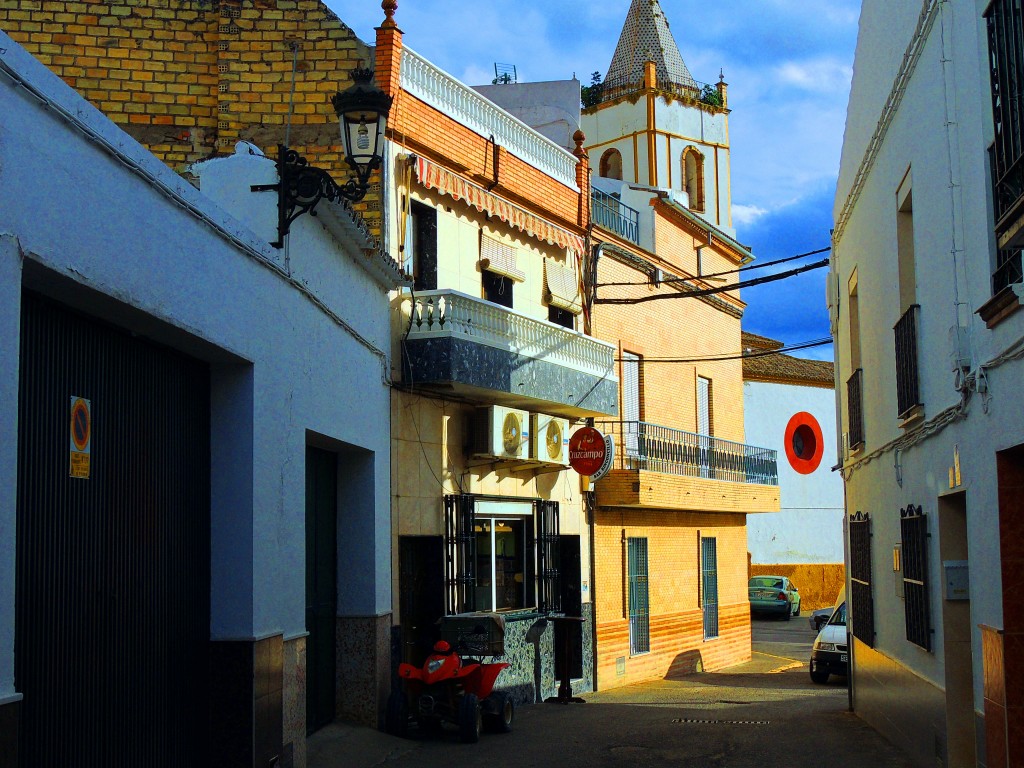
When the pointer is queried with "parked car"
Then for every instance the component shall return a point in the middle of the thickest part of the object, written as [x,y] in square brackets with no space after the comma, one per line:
[775,595]
[830,655]
[820,617]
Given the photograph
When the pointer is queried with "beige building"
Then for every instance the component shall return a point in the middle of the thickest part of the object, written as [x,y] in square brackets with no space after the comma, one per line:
[670,518]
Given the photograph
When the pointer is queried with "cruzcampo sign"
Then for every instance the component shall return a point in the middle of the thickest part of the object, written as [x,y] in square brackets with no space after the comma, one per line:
[591,453]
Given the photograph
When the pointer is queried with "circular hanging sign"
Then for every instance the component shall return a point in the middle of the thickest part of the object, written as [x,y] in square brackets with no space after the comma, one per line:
[587,451]
[804,443]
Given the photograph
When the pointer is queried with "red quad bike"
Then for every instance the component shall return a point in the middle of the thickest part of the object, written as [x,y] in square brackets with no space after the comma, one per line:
[450,689]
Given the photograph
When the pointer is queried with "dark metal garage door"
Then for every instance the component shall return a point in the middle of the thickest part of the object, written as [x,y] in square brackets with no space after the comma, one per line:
[113,571]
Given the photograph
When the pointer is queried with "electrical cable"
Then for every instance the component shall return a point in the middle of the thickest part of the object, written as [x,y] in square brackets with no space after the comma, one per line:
[743,356]
[670,281]
[720,288]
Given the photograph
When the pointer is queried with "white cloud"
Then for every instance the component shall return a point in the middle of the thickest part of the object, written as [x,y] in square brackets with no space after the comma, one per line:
[744,215]
[824,75]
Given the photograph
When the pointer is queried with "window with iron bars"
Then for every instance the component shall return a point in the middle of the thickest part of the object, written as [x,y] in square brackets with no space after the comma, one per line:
[908,394]
[854,406]
[495,562]
[639,599]
[914,539]
[1004,21]
[862,605]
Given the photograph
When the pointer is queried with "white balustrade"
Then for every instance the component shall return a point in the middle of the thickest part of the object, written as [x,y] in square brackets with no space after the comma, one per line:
[478,113]
[450,313]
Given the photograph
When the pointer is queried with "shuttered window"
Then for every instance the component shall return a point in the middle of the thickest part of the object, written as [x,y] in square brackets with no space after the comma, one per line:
[704,425]
[639,603]
[914,538]
[562,287]
[499,258]
[631,403]
[709,585]
[862,613]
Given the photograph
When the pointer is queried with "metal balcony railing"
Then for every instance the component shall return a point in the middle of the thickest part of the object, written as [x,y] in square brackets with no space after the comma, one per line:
[640,445]
[908,394]
[855,408]
[612,214]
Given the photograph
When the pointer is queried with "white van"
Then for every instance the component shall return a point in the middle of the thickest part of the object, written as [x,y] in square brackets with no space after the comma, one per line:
[830,655]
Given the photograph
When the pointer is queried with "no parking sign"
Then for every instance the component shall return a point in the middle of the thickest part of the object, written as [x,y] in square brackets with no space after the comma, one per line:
[81,437]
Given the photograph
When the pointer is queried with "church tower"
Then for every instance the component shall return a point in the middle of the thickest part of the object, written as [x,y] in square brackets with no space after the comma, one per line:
[653,125]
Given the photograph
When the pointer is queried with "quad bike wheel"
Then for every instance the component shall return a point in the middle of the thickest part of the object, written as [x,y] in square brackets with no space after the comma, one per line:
[503,712]
[396,716]
[470,718]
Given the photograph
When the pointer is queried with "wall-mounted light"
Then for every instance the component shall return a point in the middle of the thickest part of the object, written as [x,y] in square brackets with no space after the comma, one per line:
[362,113]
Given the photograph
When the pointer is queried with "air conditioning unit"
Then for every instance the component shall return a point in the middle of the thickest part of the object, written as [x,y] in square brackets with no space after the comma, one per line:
[549,439]
[501,433]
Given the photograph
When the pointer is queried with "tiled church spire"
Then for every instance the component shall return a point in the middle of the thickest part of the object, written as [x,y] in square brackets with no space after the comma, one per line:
[646,37]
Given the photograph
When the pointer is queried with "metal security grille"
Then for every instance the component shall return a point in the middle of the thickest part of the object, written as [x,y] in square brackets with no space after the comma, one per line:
[639,606]
[862,608]
[709,585]
[112,608]
[855,409]
[460,554]
[1005,22]
[908,394]
[550,597]
[914,536]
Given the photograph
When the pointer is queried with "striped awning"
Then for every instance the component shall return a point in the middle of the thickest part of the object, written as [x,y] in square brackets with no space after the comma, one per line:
[447,183]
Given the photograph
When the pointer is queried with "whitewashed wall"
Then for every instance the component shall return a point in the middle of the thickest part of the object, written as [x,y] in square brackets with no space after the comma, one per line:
[809,526]
[142,246]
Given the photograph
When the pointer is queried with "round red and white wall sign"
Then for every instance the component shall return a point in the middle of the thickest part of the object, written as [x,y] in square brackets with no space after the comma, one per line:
[804,443]
[586,450]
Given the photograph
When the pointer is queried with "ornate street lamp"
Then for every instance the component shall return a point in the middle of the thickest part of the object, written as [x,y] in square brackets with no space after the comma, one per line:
[363,113]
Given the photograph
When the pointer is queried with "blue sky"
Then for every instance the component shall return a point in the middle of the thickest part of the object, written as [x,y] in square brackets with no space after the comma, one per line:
[788,64]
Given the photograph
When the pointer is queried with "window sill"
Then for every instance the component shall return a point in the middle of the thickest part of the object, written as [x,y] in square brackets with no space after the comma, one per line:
[1001,306]
[914,417]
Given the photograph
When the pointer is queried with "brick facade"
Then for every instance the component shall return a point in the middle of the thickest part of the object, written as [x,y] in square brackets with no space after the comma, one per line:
[677,644]
[189,79]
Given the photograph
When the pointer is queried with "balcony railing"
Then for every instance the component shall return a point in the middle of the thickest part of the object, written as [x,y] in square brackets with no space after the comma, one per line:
[855,408]
[439,89]
[640,445]
[608,212]
[438,314]
[908,395]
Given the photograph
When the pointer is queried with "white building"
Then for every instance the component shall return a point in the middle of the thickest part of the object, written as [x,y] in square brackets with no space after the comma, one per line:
[924,291]
[789,405]
[183,410]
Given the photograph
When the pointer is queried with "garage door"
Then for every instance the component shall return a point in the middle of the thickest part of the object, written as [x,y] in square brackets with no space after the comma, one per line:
[113,569]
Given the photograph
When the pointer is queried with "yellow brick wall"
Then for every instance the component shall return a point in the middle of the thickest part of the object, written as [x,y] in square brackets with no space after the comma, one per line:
[189,78]
[676,620]
[674,328]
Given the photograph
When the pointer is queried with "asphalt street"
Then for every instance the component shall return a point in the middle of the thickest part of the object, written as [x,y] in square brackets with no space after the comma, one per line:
[765,713]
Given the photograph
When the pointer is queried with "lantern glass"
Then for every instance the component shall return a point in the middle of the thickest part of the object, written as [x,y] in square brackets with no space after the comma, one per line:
[363,135]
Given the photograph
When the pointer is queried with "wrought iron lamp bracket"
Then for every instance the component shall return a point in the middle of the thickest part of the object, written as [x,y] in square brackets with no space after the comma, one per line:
[302,186]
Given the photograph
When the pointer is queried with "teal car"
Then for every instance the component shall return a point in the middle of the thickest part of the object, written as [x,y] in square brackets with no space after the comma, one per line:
[775,595]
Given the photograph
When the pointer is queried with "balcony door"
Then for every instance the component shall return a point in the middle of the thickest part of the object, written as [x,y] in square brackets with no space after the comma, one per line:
[704,424]
[631,408]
